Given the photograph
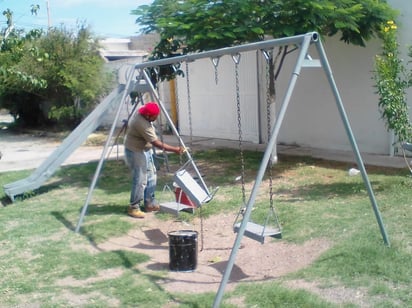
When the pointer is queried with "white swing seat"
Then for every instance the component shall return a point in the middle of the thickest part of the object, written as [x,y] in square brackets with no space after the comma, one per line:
[258,232]
[174,208]
[191,188]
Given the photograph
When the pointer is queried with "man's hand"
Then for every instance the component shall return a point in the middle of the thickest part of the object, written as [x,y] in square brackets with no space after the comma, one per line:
[182,150]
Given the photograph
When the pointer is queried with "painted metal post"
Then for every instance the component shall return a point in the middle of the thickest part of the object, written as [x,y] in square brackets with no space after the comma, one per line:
[104,152]
[342,112]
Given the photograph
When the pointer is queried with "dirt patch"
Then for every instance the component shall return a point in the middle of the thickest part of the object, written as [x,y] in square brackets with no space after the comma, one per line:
[254,262]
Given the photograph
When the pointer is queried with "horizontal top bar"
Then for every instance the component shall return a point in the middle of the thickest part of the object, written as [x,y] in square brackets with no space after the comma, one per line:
[297,39]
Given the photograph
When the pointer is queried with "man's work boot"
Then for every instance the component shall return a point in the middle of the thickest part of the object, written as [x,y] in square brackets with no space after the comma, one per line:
[151,207]
[135,212]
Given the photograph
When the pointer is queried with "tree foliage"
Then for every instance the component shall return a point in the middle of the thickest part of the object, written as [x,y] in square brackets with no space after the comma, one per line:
[50,77]
[197,25]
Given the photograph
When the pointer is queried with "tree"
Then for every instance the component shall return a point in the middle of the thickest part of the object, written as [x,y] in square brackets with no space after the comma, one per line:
[34,9]
[14,44]
[198,25]
[51,77]
[74,71]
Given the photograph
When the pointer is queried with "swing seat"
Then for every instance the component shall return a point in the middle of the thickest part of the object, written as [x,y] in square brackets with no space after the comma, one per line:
[258,232]
[175,207]
[191,188]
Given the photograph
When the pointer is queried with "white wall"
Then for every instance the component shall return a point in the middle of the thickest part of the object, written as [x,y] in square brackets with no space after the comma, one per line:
[312,118]
[404,33]
[214,106]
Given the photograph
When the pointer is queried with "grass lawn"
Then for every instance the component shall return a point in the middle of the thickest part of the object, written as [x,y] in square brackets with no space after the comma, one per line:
[39,250]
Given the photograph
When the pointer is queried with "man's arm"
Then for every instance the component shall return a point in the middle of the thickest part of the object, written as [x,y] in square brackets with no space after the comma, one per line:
[169,148]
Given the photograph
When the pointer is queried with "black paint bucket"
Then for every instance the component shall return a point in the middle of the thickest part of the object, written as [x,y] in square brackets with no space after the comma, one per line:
[182,250]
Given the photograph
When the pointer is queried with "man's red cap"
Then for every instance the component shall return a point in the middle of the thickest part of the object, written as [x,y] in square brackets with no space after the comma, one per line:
[150,109]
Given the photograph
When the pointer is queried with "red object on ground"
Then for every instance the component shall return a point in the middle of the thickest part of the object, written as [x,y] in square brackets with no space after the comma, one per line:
[182,198]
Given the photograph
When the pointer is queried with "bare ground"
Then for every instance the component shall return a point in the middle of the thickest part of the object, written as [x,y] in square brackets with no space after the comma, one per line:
[255,262]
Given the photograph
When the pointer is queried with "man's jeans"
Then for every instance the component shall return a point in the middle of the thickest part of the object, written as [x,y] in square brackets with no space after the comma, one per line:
[144,176]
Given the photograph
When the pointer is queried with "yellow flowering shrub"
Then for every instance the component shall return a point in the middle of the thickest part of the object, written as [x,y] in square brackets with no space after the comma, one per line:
[392,80]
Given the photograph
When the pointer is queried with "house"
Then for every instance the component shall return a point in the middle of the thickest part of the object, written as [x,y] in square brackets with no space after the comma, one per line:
[121,55]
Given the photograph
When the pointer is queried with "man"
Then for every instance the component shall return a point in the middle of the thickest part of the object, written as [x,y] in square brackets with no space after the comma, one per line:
[140,139]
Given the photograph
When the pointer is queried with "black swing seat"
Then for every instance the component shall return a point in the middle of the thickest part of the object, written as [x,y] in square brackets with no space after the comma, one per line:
[258,232]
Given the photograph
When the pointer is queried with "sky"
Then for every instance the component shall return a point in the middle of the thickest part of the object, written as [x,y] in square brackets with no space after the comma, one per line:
[107,18]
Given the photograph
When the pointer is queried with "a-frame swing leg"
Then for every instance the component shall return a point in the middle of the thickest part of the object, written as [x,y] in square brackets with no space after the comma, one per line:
[104,152]
[348,129]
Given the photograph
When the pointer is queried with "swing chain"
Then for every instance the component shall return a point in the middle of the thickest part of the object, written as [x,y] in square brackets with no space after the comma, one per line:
[215,62]
[177,99]
[236,59]
[176,67]
[189,107]
[268,54]
[156,70]
[178,110]
[268,57]
[269,62]
[201,230]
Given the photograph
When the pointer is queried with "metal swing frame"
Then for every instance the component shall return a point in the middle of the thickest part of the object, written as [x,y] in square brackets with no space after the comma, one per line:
[303,60]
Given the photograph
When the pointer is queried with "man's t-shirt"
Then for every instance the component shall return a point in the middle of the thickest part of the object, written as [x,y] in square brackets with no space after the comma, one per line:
[140,134]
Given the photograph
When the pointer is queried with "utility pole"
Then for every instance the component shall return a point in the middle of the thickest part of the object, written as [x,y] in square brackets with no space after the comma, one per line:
[48,15]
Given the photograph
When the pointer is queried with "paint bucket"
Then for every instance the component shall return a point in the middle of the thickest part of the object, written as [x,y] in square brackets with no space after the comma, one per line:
[182,250]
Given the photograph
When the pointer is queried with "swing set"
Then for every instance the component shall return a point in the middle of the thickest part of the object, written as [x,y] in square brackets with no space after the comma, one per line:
[188,177]
[192,182]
